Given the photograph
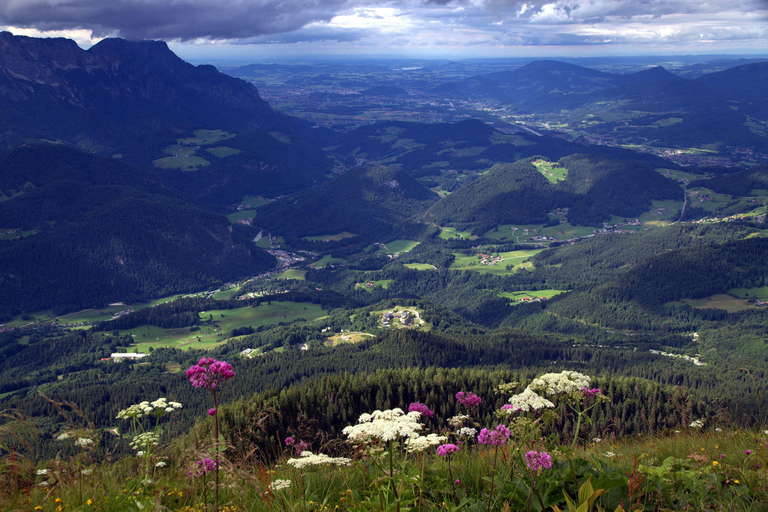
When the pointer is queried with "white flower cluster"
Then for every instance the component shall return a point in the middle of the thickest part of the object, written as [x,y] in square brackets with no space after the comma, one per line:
[310,459]
[41,472]
[83,442]
[458,420]
[467,432]
[697,424]
[419,443]
[159,407]
[530,400]
[279,484]
[145,441]
[561,383]
[384,425]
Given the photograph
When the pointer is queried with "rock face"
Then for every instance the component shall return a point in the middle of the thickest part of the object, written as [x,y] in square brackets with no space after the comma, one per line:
[96,98]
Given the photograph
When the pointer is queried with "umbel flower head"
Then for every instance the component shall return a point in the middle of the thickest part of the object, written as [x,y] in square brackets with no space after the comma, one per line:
[419,443]
[528,400]
[310,459]
[384,425]
[209,373]
[562,383]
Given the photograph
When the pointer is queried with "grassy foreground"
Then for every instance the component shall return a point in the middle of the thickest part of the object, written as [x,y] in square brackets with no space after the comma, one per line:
[690,470]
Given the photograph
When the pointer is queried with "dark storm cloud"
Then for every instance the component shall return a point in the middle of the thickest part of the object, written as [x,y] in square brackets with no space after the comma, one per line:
[169,19]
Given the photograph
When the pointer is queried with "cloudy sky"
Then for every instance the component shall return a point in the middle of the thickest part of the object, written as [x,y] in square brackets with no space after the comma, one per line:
[249,29]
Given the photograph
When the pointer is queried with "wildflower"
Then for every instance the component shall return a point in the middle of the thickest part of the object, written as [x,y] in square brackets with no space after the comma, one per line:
[289,441]
[43,484]
[310,459]
[209,373]
[145,441]
[83,442]
[457,420]
[495,437]
[457,482]
[89,502]
[445,450]
[715,463]
[509,409]
[718,429]
[421,408]
[468,399]
[736,482]
[697,424]
[748,452]
[529,399]
[87,471]
[561,383]
[160,464]
[41,472]
[279,485]
[538,460]
[596,440]
[63,436]
[202,467]
[467,432]
[419,443]
[609,455]
[212,412]
[384,425]
[591,392]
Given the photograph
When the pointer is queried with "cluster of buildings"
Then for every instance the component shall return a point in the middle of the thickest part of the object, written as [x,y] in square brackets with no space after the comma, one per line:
[405,317]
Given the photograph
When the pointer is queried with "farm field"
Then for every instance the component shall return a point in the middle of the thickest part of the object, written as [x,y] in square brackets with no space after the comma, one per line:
[226,294]
[517,297]
[449,233]
[514,258]
[760,293]
[293,273]
[206,137]
[516,232]
[552,171]
[397,246]
[209,335]
[330,238]
[327,260]
[420,266]
[662,212]
[223,151]
[91,315]
[384,283]
[242,214]
[348,337]
[720,301]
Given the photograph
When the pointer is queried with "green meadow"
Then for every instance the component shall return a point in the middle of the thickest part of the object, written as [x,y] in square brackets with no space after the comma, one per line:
[330,238]
[551,170]
[517,297]
[383,283]
[224,320]
[449,233]
[206,137]
[242,214]
[223,151]
[760,293]
[327,260]
[397,246]
[420,266]
[293,273]
[516,232]
[514,259]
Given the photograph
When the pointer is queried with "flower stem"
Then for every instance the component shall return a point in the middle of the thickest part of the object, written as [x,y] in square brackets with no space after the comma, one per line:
[493,476]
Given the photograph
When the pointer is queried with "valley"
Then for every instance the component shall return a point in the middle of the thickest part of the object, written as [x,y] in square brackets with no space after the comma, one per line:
[361,235]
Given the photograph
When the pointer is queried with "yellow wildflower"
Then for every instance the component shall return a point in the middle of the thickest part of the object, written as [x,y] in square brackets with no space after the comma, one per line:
[89,502]
[715,463]
[736,481]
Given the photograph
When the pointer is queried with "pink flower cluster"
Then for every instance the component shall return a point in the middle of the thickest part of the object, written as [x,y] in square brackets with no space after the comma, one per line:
[421,408]
[445,450]
[468,399]
[495,437]
[591,392]
[209,373]
[202,467]
[538,460]
[510,408]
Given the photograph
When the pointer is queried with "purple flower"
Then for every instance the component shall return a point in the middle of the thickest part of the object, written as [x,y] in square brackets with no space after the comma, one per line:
[457,482]
[591,392]
[445,450]
[211,412]
[495,437]
[468,399]
[202,467]
[420,408]
[289,441]
[209,373]
[301,446]
[510,408]
[748,452]
[538,460]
